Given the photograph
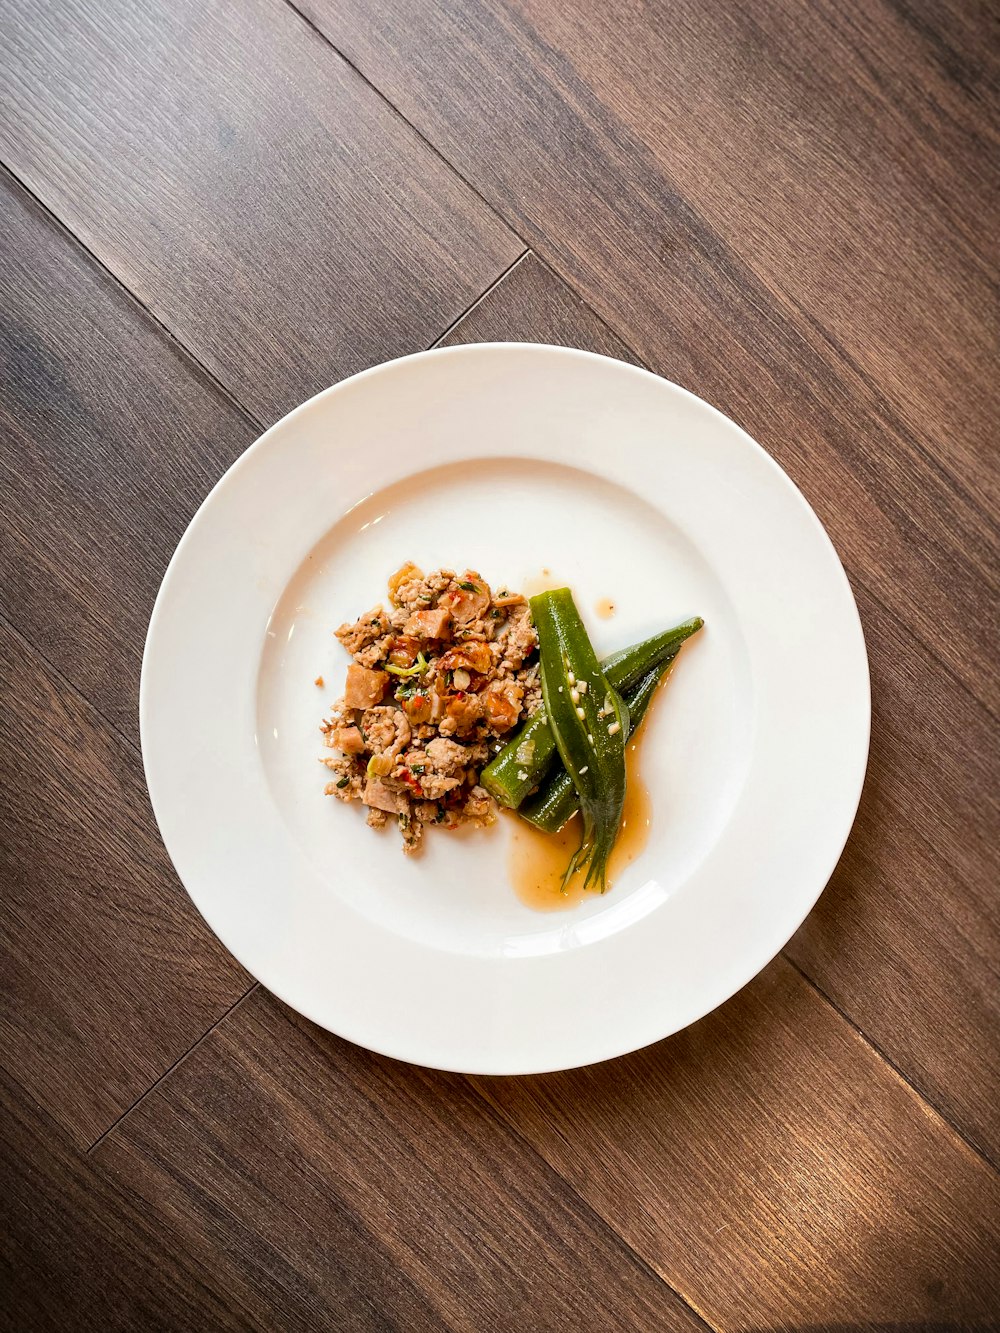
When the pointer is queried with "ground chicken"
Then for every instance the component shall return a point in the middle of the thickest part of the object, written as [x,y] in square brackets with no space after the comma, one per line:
[518,638]
[447,757]
[385,732]
[435,679]
[371,626]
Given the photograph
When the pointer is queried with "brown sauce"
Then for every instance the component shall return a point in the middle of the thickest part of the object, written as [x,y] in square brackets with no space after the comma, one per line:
[538,860]
[605,608]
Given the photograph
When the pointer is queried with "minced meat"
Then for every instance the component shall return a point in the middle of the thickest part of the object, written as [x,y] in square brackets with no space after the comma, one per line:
[437,682]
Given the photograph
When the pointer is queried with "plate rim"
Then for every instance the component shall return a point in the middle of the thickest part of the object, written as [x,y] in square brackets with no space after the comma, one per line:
[457,351]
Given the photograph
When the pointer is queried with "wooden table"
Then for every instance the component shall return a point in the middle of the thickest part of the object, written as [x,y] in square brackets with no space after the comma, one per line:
[214,208]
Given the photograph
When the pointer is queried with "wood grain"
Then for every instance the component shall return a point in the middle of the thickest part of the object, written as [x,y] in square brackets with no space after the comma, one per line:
[590,161]
[294,1131]
[79,1253]
[107,973]
[789,210]
[109,441]
[771,1167]
[907,938]
[826,163]
[245,184]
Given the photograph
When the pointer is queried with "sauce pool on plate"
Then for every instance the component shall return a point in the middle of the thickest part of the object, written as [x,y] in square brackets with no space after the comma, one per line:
[538,860]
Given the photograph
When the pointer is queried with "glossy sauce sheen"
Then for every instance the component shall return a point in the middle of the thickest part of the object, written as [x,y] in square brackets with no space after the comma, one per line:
[538,860]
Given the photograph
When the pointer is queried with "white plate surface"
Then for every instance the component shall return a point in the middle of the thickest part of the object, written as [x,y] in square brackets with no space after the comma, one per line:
[508,458]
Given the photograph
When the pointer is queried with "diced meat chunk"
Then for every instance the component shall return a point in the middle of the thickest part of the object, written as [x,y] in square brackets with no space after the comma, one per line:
[432,624]
[364,687]
[381,796]
[349,739]
[364,631]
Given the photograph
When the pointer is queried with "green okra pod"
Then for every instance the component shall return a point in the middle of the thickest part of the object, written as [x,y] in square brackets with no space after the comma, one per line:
[523,763]
[590,726]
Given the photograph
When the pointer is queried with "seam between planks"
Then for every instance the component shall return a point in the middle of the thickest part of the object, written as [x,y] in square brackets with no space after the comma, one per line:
[598,1217]
[546,252]
[428,143]
[181,348]
[931,1109]
[479,301]
[176,1064]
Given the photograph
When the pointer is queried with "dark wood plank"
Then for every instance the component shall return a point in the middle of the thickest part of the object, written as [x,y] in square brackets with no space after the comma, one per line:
[76,1252]
[292,1129]
[245,184]
[107,973]
[782,126]
[604,138]
[906,939]
[775,1171]
[109,440]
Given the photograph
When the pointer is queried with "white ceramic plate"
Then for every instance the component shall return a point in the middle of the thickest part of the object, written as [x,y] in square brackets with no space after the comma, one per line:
[509,458]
